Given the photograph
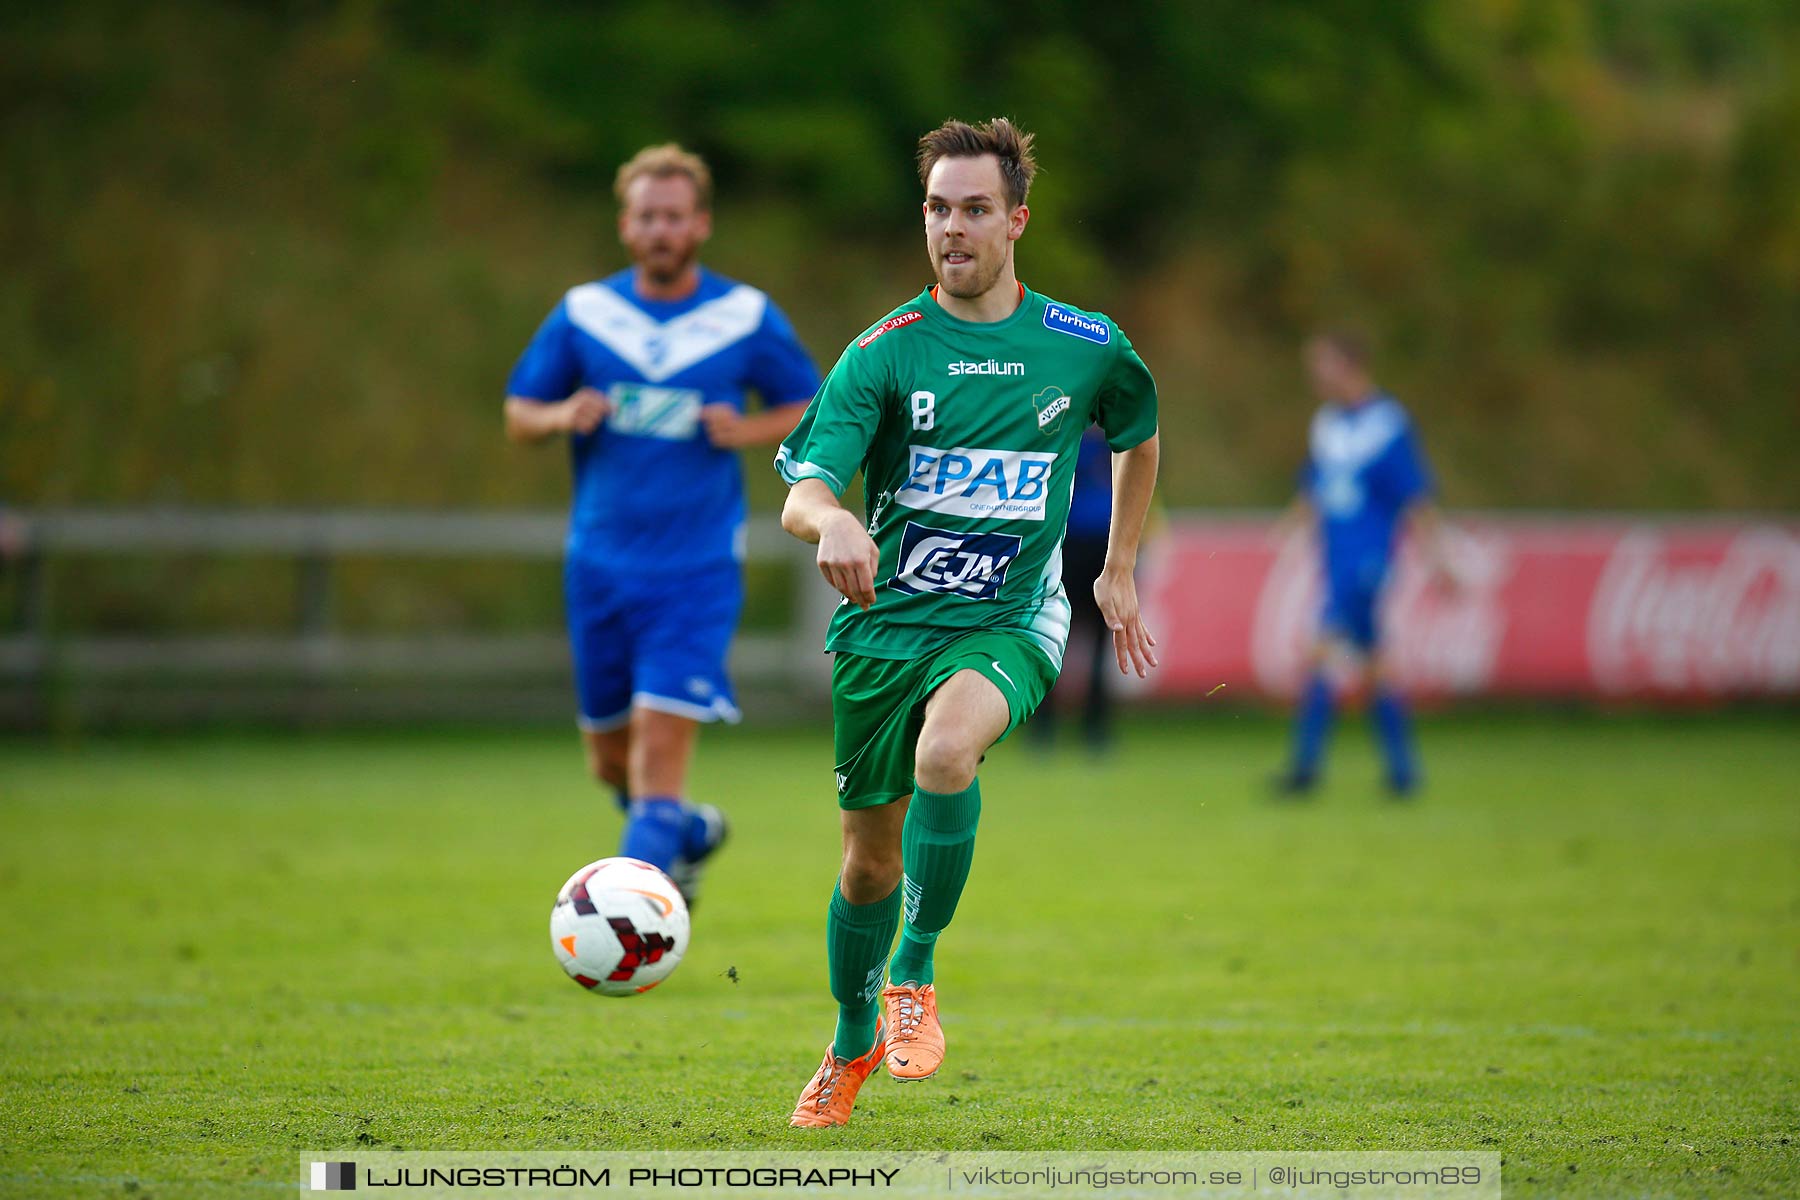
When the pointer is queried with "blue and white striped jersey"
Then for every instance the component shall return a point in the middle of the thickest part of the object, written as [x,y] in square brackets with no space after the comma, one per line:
[651,492]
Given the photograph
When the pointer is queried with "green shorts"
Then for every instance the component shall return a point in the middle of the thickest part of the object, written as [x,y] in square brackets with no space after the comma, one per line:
[878,706]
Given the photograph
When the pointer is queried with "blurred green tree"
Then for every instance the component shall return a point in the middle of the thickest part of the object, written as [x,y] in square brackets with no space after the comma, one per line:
[285,255]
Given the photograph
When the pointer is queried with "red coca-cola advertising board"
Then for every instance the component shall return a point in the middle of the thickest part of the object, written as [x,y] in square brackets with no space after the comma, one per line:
[1615,608]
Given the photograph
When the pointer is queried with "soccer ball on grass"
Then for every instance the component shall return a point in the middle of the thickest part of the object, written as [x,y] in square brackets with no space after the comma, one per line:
[619,927]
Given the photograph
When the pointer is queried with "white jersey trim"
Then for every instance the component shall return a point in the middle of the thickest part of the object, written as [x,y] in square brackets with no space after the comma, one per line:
[793,472]
[659,350]
[1049,626]
[618,720]
[720,709]
[1348,439]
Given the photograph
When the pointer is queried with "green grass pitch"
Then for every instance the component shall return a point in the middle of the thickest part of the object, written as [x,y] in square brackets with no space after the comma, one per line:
[1581,949]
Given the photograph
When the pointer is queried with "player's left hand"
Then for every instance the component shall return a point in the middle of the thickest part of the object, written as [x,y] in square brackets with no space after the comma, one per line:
[1116,594]
[725,426]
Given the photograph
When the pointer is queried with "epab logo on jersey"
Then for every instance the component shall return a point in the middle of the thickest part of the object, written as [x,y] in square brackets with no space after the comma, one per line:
[970,481]
[971,565]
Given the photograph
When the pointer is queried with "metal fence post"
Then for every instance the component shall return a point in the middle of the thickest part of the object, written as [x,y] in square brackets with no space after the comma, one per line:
[315,593]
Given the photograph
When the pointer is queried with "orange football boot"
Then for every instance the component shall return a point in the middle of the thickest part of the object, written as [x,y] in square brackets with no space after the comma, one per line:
[828,1099]
[915,1040]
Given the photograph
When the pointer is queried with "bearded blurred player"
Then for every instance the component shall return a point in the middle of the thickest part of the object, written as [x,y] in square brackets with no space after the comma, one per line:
[646,373]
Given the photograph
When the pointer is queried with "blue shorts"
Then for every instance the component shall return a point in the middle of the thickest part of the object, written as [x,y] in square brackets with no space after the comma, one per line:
[652,641]
[1352,612]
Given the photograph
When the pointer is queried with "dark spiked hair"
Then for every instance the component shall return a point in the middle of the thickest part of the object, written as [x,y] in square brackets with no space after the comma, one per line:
[998,137]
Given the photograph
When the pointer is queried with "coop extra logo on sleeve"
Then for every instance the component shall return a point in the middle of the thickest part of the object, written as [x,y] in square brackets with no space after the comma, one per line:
[964,482]
[972,565]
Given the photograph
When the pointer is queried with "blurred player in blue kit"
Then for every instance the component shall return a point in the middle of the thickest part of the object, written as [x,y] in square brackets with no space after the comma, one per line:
[1364,483]
[1084,557]
[646,373]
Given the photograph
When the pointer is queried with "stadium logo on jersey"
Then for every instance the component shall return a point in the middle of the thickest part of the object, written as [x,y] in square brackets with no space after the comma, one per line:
[1075,325]
[971,565]
[1052,405]
[905,318]
[990,367]
[1005,485]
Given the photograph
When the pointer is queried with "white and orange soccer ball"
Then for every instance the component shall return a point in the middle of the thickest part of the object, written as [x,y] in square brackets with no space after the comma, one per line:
[619,927]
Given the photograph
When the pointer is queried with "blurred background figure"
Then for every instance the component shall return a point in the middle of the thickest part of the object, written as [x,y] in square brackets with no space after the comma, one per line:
[12,537]
[1365,482]
[1084,554]
[1579,225]
[646,373]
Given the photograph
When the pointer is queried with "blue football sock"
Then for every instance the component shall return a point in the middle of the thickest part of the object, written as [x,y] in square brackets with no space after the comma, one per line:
[696,834]
[1313,725]
[1394,725]
[622,798]
[654,828]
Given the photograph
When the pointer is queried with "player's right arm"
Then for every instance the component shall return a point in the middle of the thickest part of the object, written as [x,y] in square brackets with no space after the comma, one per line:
[529,420]
[544,396]
[1301,515]
[1298,517]
[819,459]
[848,558]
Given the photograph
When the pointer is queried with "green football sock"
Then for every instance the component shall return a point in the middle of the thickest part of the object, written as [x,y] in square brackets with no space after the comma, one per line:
[857,938]
[937,845]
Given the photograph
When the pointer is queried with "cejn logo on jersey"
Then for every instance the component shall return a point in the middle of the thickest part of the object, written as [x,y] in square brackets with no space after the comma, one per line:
[1075,325]
[971,565]
[966,482]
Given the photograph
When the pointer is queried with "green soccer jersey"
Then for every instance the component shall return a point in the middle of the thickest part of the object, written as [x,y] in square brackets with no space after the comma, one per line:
[966,434]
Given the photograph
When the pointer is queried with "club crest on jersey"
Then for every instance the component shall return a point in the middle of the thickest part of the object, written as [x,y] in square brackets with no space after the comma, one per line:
[1007,485]
[1074,324]
[971,565]
[1052,406]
